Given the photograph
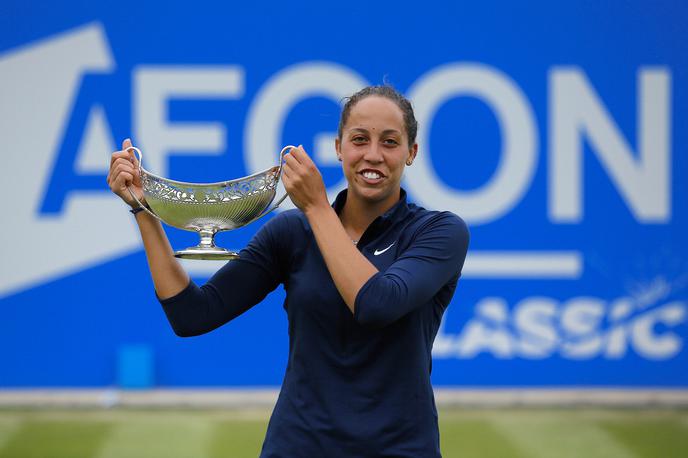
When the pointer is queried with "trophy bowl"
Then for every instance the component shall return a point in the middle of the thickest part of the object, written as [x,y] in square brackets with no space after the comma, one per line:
[209,208]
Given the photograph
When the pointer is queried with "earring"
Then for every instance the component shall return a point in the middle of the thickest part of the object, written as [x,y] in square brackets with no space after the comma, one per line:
[339,158]
[409,162]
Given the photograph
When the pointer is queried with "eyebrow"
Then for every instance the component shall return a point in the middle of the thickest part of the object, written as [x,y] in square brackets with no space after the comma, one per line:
[384,132]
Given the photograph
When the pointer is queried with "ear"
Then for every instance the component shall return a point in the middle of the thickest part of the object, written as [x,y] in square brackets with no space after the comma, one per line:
[412,154]
[338,148]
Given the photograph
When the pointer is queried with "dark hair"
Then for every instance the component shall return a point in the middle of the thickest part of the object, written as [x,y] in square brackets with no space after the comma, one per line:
[387,92]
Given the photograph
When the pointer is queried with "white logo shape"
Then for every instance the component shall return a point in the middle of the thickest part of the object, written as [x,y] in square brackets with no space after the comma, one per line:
[379,252]
[38,87]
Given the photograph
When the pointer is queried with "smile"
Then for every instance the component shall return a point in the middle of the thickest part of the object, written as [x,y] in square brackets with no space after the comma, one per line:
[371,175]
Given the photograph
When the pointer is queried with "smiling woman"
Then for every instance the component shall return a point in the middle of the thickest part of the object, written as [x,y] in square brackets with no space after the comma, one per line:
[374,150]
[362,315]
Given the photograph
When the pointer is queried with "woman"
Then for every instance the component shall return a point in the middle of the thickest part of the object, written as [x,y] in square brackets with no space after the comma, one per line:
[367,281]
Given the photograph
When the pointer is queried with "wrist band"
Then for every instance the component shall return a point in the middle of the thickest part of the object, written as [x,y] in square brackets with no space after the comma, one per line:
[134,211]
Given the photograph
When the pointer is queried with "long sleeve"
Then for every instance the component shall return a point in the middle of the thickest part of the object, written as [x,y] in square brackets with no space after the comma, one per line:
[236,287]
[434,257]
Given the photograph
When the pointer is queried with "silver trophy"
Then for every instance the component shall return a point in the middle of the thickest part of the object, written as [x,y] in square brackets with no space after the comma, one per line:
[209,208]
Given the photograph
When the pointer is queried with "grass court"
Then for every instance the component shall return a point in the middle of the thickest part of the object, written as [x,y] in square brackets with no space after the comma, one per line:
[483,433]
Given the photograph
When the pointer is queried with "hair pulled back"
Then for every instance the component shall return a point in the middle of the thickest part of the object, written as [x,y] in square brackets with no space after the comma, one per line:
[387,92]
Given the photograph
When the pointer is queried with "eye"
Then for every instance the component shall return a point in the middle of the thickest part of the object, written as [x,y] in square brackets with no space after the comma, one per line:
[358,139]
[390,141]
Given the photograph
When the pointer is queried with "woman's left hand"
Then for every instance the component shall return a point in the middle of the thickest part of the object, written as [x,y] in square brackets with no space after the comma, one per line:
[303,181]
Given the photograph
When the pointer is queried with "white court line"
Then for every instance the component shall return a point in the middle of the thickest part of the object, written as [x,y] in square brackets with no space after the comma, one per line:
[537,435]
[8,426]
[514,265]
[175,436]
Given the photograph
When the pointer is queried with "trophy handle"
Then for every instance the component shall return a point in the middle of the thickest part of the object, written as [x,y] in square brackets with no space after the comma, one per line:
[279,172]
[139,158]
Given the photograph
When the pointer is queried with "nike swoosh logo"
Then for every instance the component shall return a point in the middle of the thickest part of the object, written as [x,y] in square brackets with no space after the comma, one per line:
[379,252]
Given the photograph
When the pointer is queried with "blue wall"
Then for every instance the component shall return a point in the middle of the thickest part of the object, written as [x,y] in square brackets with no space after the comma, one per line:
[556,129]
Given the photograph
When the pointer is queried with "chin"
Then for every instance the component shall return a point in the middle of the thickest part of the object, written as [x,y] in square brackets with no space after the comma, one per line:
[373,194]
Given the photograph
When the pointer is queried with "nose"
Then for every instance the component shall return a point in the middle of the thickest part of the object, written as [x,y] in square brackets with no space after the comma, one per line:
[373,153]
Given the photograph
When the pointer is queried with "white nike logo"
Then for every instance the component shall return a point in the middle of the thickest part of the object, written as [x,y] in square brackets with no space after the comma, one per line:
[379,252]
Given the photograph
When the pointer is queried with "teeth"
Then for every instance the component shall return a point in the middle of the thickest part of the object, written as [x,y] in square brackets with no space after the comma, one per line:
[371,175]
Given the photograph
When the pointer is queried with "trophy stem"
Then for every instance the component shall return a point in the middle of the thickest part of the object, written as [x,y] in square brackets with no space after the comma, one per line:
[206,249]
[207,239]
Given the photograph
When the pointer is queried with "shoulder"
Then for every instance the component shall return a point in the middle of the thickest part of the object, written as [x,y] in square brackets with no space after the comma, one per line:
[288,221]
[438,234]
[446,222]
[276,239]
[284,230]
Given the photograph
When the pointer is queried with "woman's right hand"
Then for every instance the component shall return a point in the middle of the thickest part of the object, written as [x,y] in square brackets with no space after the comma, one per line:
[123,173]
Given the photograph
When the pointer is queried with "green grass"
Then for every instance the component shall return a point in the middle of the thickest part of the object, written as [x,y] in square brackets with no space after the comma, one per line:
[651,438]
[506,433]
[68,439]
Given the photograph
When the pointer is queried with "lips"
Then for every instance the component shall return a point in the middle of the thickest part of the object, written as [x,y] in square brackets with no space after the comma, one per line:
[372,175]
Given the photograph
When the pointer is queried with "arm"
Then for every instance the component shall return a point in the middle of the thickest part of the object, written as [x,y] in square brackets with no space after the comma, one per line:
[435,256]
[194,310]
[168,276]
[349,269]
[376,298]
[235,288]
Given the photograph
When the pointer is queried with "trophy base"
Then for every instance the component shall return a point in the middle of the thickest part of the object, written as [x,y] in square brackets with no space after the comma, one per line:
[206,253]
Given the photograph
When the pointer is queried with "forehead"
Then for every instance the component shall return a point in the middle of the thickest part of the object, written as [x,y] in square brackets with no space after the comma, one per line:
[376,112]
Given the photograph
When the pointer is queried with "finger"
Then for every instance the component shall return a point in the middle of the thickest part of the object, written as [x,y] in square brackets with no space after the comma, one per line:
[132,158]
[286,181]
[122,166]
[291,161]
[126,155]
[288,174]
[116,167]
[287,170]
[298,153]
[123,159]
[124,177]
[122,181]
[294,170]
[304,158]
[116,155]
[127,147]
[122,169]
[122,163]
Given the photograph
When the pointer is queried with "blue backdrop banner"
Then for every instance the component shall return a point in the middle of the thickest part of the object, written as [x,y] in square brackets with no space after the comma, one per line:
[557,130]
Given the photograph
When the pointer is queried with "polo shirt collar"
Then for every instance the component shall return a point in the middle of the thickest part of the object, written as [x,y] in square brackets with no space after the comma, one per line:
[398,210]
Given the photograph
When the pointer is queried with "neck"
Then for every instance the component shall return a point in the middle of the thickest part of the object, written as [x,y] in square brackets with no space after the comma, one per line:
[357,214]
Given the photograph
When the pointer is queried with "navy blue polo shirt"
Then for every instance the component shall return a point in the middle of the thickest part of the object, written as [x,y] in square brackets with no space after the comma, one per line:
[356,385]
